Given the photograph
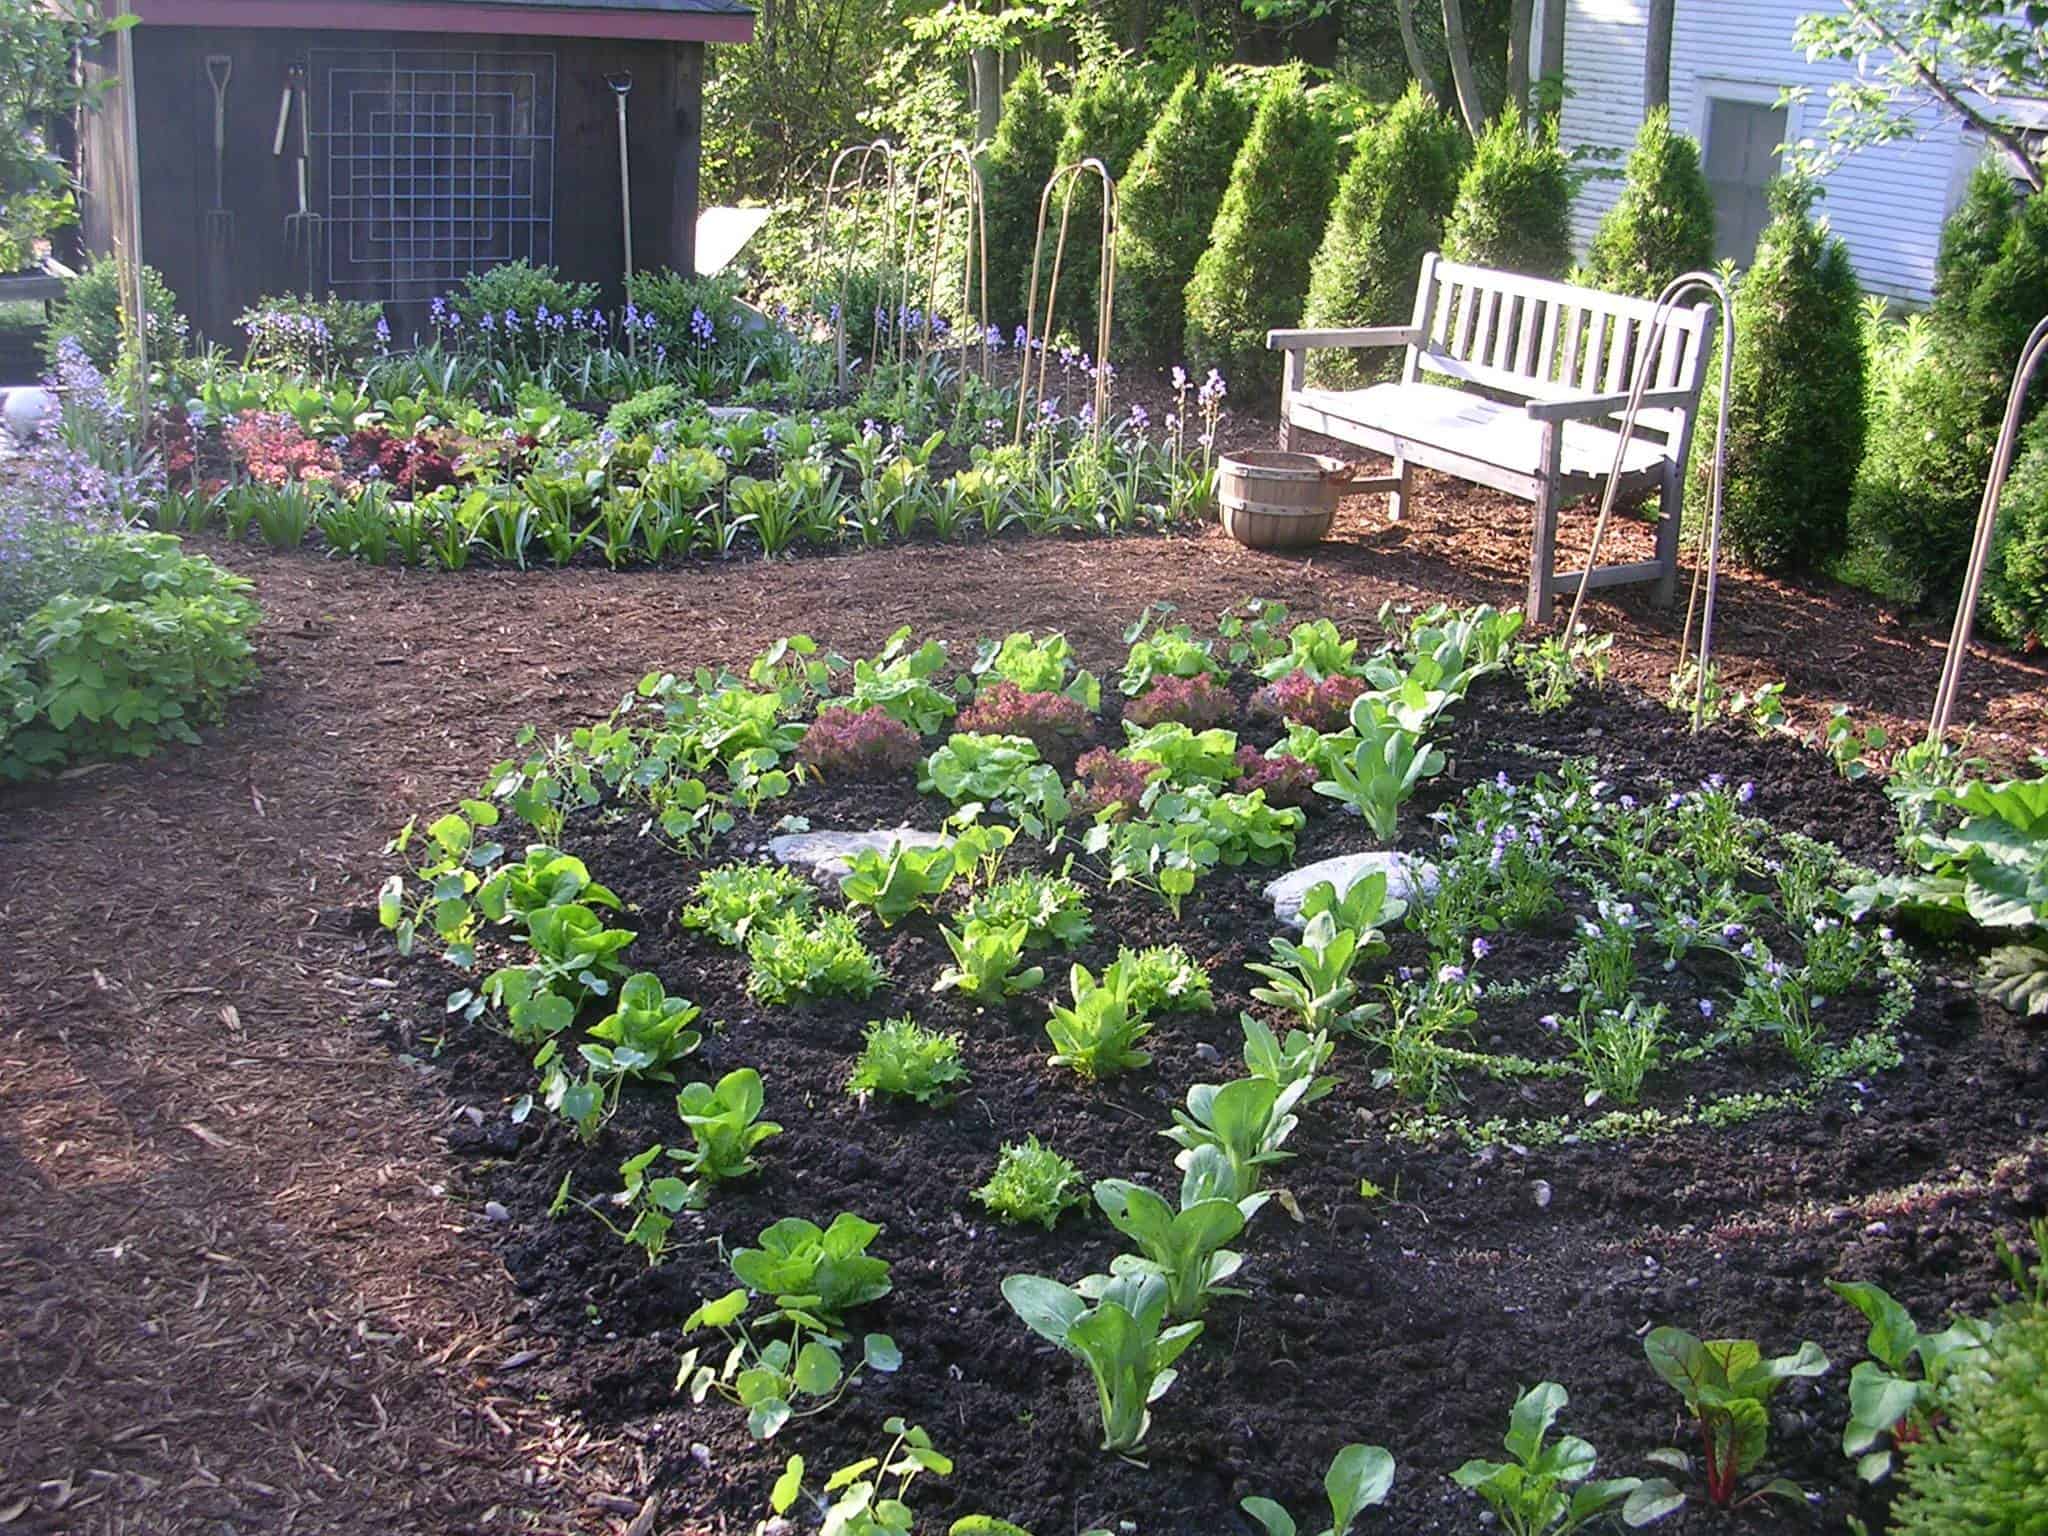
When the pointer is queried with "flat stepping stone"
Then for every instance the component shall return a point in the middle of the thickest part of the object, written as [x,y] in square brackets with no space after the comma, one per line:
[1406,880]
[831,854]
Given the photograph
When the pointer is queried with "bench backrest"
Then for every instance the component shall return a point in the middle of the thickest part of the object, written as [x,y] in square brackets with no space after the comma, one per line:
[1530,336]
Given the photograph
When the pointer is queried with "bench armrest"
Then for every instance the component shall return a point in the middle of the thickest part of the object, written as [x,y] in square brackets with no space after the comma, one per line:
[1587,407]
[1356,336]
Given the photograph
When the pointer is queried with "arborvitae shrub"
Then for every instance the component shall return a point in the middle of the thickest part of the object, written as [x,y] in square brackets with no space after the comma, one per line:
[1663,223]
[1391,207]
[2015,605]
[2012,295]
[1514,203]
[1795,416]
[1920,485]
[1166,206]
[1013,175]
[1108,117]
[1254,275]
[1981,1470]
[1970,240]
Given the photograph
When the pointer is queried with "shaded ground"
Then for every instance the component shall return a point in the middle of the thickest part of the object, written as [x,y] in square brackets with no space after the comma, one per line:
[235,1292]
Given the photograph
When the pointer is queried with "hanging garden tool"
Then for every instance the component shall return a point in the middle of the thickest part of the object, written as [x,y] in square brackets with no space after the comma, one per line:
[220,219]
[622,87]
[303,229]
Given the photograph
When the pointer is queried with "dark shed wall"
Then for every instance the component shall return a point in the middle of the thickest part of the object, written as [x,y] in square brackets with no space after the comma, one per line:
[175,125]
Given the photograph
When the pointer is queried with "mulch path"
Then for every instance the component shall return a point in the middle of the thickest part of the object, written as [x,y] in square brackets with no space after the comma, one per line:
[237,1291]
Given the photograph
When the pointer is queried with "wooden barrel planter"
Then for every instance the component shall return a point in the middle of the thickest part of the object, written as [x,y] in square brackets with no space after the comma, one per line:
[1274,500]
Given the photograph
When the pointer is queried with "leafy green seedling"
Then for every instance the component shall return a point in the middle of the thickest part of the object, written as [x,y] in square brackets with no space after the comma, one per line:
[776,1379]
[1031,1182]
[1098,1035]
[1727,1385]
[824,1272]
[1182,1247]
[1888,1408]
[733,898]
[988,962]
[725,1123]
[1549,1489]
[1120,1338]
[1358,1480]
[906,880]
[647,1033]
[1248,1121]
[863,1503]
[902,1059]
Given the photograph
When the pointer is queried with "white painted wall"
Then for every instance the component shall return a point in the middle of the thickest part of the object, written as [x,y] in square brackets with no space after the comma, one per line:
[1887,203]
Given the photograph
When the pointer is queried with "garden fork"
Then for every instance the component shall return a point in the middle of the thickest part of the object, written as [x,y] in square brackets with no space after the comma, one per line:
[303,229]
[220,219]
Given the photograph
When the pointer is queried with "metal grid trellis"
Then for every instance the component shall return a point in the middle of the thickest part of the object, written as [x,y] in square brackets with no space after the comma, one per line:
[433,165]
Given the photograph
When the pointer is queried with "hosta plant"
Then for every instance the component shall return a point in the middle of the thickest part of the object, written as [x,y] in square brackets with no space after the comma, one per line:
[1119,1334]
[987,962]
[1031,1182]
[1183,1247]
[907,879]
[1548,1489]
[798,1373]
[859,744]
[1198,702]
[825,958]
[1359,1478]
[1098,1035]
[823,1271]
[1727,1385]
[1381,773]
[1887,1407]
[1248,1121]
[732,898]
[725,1126]
[901,1059]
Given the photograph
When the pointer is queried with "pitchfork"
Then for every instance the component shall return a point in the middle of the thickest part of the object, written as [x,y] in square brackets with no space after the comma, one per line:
[302,229]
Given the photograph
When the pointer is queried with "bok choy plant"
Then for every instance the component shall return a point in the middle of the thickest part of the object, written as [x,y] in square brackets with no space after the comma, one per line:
[1119,1334]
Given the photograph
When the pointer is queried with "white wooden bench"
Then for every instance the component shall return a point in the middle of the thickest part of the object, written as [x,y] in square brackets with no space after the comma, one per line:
[1547,369]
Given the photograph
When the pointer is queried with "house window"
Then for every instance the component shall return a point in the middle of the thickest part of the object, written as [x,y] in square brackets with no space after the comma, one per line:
[1741,156]
[432,166]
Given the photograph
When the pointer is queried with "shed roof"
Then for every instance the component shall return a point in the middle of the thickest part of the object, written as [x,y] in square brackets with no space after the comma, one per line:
[699,21]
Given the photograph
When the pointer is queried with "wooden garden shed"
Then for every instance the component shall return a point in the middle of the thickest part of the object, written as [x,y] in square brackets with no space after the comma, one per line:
[432,137]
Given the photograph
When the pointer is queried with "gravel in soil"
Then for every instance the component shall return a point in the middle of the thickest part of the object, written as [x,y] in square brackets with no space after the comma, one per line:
[1408,1321]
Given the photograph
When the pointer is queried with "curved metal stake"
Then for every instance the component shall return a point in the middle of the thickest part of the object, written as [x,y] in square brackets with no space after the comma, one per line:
[974,245]
[1029,395]
[1987,523]
[1707,570]
[865,154]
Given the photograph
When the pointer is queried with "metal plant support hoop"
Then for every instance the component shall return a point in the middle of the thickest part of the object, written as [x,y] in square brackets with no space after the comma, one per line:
[1707,566]
[1029,393]
[942,168]
[864,156]
[1987,524]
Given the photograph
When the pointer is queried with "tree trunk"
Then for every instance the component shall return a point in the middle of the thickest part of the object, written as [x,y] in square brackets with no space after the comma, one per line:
[1657,56]
[1471,105]
[1418,66]
[988,92]
[1521,14]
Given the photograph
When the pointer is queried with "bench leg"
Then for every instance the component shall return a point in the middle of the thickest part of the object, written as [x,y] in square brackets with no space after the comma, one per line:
[1286,435]
[1669,525]
[1397,499]
[1543,543]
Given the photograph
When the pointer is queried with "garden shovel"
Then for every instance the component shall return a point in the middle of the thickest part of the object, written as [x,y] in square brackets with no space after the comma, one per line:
[622,87]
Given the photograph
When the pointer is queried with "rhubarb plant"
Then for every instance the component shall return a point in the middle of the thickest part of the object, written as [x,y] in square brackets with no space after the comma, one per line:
[798,1373]
[1727,1385]
[1119,1334]
[1889,1408]
[1548,1489]
[1359,1479]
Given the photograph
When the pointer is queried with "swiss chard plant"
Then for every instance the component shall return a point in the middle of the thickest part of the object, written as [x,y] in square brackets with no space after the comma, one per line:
[824,1272]
[797,1371]
[1547,1487]
[1889,1407]
[725,1126]
[905,880]
[1359,1479]
[987,962]
[1031,1182]
[1098,1035]
[1727,1385]
[1120,1334]
[1183,1247]
[1247,1120]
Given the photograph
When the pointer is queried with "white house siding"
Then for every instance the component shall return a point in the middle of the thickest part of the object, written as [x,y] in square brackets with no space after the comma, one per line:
[1888,203]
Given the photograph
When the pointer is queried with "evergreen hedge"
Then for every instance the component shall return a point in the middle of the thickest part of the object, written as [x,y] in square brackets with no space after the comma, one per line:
[1514,203]
[1663,222]
[1013,176]
[1167,204]
[1254,275]
[1796,423]
[1970,241]
[1108,116]
[1391,207]
[1981,1470]
[2015,604]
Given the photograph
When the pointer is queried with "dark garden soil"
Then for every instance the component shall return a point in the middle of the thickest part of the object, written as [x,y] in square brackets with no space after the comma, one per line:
[247,1283]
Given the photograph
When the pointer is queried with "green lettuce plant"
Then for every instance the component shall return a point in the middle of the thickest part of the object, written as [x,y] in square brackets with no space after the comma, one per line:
[823,958]
[1052,908]
[824,1272]
[1000,771]
[1119,1334]
[647,1033]
[725,1126]
[732,898]
[775,1379]
[905,880]
[1173,652]
[1359,1479]
[1189,757]
[1098,1035]
[1162,978]
[899,681]
[1036,666]
[1727,1385]
[987,962]
[1887,1407]
[901,1059]
[1549,1489]
[1031,1182]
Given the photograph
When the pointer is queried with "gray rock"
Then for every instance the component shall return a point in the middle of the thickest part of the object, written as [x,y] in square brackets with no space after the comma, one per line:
[1406,879]
[831,854]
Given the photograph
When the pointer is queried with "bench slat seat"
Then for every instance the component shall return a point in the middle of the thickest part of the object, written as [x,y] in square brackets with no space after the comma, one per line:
[1544,369]
[1421,422]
